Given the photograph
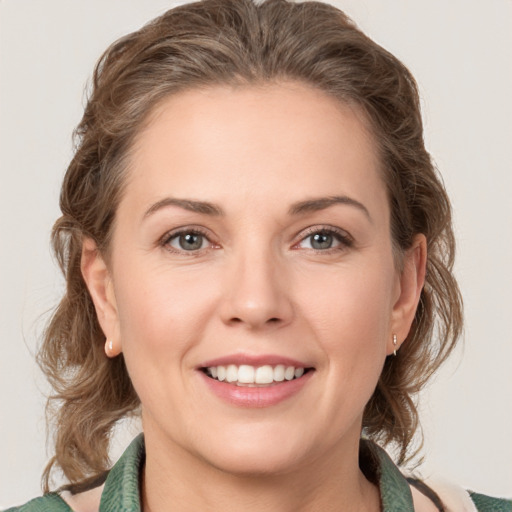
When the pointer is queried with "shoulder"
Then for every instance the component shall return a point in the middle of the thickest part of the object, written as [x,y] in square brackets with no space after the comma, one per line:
[119,487]
[488,504]
[455,497]
[51,502]
[87,501]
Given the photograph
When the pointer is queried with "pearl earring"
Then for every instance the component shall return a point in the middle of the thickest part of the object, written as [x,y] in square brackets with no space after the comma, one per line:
[394,344]
[109,347]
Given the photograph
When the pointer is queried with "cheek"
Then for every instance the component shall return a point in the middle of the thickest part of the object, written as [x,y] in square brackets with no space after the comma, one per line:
[161,321]
[351,318]
[353,338]
[161,313]
[350,307]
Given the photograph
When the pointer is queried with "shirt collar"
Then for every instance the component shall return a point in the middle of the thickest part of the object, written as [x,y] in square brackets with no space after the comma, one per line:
[121,491]
[395,493]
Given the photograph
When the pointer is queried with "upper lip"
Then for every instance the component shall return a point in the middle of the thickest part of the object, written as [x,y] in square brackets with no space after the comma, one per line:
[254,360]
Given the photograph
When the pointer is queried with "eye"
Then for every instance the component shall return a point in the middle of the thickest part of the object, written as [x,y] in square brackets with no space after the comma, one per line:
[322,240]
[325,239]
[188,241]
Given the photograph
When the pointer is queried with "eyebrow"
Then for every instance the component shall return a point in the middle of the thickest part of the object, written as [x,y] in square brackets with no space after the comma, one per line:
[321,203]
[207,208]
[203,207]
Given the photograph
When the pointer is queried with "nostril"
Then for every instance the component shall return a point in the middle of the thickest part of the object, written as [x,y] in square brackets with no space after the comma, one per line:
[271,321]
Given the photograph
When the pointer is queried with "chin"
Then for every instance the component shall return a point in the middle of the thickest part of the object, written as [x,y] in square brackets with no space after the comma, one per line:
[255,454]
[254,464]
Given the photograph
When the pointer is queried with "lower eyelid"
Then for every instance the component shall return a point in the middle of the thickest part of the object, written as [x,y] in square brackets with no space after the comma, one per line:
[342,238]
[172,235]
[176,238]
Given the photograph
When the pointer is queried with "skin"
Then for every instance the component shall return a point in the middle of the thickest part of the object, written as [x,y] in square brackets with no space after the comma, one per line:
[256,286]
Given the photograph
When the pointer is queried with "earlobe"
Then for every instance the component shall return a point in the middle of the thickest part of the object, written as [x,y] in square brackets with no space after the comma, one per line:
[411,283]
[99,283]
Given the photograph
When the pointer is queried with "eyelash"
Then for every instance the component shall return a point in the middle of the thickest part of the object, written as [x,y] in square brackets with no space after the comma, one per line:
[342,237]
[168,237]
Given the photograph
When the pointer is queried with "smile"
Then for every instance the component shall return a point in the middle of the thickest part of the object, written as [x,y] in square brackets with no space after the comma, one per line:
[252,376]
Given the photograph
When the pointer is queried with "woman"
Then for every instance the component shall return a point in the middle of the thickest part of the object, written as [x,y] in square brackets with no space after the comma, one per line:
[256,248]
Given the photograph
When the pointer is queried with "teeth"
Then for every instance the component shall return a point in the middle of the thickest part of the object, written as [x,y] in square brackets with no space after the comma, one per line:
[279,373]
[247,375]
[289,373]
[264,375]
[231,373]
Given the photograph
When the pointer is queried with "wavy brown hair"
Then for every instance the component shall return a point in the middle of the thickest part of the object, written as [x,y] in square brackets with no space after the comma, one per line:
[239,42]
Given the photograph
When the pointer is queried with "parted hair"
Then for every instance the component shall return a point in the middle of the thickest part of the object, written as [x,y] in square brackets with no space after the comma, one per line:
[238,42]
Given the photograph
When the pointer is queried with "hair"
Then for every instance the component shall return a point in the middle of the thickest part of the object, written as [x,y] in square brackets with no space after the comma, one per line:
[239,42]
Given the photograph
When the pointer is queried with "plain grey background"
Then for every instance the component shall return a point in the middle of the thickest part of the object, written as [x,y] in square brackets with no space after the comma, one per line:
[460,52]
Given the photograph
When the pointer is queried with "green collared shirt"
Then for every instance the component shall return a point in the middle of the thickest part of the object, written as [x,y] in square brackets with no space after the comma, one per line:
[121,491]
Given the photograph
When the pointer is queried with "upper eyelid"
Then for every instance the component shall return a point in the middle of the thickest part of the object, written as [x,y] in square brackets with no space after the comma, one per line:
[301,235]
[169,235]
[304,233]
[344,239]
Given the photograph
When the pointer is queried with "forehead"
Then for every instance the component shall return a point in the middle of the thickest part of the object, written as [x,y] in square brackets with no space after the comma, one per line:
[209,143]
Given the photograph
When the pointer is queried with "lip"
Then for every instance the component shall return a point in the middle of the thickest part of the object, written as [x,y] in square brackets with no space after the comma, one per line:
[256,397]
[254,360]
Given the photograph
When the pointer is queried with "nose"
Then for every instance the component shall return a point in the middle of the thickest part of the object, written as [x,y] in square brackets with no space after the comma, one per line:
[257,295]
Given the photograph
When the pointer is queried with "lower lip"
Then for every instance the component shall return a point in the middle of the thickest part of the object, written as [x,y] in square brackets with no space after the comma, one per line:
[265,396]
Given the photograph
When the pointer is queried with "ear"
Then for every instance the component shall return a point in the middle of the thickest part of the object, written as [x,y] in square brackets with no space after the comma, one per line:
[99,283]
[410,284]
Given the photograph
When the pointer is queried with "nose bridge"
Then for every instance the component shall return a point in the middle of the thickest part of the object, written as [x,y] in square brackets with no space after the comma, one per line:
[257,294]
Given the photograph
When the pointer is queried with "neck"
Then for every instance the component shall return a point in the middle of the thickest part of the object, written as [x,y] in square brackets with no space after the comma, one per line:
[176,479]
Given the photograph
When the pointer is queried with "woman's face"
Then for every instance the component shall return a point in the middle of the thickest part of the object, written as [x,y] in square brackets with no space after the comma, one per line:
[253,237]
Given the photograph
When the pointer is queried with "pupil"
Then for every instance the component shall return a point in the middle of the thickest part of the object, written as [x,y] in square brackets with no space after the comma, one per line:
[191,241]
[321,241]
